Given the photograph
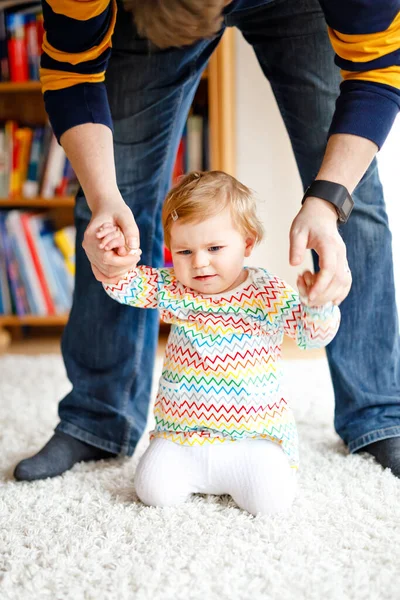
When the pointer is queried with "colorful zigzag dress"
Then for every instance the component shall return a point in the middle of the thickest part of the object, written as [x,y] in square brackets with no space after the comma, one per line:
[221,378]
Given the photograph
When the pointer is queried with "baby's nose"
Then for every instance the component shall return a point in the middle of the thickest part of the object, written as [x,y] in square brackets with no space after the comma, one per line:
[200,260]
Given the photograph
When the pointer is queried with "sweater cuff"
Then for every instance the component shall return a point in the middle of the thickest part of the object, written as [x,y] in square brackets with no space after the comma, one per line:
[366,110]
[76,105]
[316,311]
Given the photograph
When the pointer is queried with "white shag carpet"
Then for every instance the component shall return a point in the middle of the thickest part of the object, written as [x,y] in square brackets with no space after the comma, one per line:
[84,536]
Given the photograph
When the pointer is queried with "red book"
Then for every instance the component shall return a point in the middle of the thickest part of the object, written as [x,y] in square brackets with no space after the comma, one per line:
[25,220]
[17,48]
[61,189]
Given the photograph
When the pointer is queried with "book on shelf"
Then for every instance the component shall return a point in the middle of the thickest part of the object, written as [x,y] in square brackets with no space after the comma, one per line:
[65,240]
[192,155]
[193,149]
[32,163]
[35,277]
[195,143]
[21,38]
[5,294]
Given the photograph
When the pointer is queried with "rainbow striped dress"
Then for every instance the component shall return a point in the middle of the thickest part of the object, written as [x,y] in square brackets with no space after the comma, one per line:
[221,378]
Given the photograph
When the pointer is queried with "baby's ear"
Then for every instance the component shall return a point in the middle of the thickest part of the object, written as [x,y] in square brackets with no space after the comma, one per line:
[250,243]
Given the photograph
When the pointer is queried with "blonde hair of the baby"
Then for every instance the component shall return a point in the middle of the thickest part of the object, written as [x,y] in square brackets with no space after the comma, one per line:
[203,194]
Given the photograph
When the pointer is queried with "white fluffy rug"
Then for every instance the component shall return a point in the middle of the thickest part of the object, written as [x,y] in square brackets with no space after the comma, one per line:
[85,536]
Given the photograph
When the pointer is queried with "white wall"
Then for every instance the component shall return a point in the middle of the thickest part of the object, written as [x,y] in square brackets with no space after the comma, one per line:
[265,163]
[389,167]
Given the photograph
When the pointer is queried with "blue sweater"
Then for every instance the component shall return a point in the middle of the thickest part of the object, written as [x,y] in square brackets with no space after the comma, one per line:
[365,35]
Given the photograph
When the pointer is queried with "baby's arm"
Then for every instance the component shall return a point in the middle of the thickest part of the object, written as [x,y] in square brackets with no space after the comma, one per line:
[137,288]
[309,326]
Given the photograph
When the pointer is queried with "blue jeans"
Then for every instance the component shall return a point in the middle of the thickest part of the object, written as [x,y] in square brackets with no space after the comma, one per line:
[109,348]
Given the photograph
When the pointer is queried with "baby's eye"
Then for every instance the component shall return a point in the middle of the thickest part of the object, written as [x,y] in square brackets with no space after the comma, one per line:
[185,252]
[214,248]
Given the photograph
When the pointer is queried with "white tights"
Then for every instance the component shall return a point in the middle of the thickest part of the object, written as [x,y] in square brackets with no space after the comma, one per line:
[256,473]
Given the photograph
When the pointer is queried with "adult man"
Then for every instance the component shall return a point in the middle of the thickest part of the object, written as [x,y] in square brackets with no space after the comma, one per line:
[149,91]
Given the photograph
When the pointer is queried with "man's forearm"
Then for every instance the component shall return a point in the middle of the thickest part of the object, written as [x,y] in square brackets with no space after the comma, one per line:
[346,159]
[90,150]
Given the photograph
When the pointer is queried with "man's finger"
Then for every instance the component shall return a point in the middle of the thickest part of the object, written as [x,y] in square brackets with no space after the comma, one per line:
[338,288]
[323,280]
[301,286]
[329,294]
[328,264]
[130,231]
[298,245]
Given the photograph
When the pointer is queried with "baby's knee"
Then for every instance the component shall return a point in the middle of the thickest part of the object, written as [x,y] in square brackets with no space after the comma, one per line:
[153,492]
[157,486]
[268,495]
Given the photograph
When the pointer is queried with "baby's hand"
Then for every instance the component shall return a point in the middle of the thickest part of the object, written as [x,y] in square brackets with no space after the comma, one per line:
[304,284]
[112,238]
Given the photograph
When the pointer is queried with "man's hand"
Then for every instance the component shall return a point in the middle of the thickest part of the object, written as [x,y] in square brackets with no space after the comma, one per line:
[315,227]
[108,266]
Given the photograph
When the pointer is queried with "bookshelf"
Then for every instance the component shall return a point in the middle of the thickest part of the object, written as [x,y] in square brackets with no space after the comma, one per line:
[23,103]
[24,86]
[33,203]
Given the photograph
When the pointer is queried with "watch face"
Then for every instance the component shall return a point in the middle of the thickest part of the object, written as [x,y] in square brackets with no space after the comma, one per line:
[347,206]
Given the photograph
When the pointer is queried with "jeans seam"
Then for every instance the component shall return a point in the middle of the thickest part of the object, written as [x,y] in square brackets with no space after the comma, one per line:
[177,105]
[87,437]
[202,46]
[374,436]
[139,343]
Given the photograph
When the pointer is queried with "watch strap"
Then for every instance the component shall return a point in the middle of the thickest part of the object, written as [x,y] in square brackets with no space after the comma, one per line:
[332,192]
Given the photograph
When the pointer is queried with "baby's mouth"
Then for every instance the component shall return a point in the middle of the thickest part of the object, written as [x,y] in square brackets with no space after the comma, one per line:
[204,277]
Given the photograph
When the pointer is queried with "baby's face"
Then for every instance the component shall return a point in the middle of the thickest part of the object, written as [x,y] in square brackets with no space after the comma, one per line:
[208,256]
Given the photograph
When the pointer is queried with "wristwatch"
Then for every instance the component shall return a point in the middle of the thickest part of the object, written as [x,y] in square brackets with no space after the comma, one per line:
[336,194]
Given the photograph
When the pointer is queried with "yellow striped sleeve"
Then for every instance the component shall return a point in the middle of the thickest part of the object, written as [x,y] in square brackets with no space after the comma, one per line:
[53,79]
[388,76]
[368,46]
[81,10]
[80,57]
[58,80]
